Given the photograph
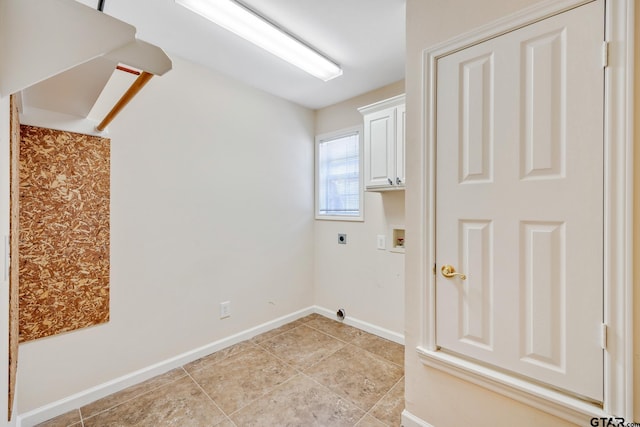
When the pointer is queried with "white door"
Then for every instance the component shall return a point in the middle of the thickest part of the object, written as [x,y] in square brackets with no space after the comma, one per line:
[519,201]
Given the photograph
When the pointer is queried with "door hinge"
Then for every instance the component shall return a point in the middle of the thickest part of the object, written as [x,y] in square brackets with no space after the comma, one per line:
[603,338]
[605,54]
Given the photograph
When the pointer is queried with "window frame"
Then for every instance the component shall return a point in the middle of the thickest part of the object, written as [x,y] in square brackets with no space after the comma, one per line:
[353,130]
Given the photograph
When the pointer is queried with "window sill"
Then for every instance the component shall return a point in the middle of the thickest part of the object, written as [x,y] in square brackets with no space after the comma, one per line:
[340,218]
[548,400]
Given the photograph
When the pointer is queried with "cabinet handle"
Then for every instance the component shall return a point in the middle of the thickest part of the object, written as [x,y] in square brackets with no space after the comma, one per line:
[390,182]
[398,181]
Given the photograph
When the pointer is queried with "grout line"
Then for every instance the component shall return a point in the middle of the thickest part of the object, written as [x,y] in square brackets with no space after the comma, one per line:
[345,345]
[300,320]
[210,398]
[364,412]
[351,342]
[301,370]
[333,336]
[269,390]
[353,403]
[260,346]
[381,358]
[265,393]
[132,398]
[259,343]
[336,394]
[385,395]
[281,360]
[248,342]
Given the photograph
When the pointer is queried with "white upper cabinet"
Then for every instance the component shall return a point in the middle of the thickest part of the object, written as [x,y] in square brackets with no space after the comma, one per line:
[384,146]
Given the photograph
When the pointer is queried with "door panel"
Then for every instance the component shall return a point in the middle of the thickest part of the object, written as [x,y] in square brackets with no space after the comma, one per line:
[477,290]
[477,119]
[542,153]
[543,289]
[519,201]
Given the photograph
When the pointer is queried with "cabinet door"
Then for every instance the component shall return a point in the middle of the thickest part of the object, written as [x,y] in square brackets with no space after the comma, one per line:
[399,150]
[379,136]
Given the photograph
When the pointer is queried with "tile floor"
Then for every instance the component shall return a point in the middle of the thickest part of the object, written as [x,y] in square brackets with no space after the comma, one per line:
[311,372]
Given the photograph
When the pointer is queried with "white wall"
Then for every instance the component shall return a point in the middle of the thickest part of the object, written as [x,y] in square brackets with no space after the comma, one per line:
[433,396]
[368,283]
[211,200]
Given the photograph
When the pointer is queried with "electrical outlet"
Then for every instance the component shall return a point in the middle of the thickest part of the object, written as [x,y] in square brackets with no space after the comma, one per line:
[342,239]
[225,309]
[382,244]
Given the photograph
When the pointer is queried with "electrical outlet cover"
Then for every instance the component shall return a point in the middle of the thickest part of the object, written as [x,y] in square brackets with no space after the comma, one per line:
[225,309]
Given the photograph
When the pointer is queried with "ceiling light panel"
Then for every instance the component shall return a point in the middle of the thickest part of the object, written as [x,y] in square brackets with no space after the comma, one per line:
[247,24]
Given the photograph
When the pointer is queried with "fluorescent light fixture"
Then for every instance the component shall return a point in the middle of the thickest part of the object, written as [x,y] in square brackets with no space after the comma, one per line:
[246,23]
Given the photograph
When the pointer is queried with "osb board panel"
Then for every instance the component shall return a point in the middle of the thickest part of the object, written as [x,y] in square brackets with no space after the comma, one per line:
[14,150]
[64,231]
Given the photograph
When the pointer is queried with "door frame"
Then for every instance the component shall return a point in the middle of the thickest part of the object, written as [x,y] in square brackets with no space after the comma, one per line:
[618,220]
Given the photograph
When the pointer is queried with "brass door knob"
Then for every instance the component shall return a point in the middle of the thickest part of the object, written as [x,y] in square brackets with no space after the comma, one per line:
[449,272]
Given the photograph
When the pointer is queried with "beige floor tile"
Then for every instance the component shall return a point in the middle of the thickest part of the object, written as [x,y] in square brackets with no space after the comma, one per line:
[311,316]
[131,392]
[65,420]
[216,357]
[181,404]
[358,375]
[335,329]
[386,349]
[277,331]
[299,402]
[302,347]
[369,421]
[234,382]
[255,382]
[389,408]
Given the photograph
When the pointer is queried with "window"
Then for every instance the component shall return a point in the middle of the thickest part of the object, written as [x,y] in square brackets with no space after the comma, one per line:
[338,177]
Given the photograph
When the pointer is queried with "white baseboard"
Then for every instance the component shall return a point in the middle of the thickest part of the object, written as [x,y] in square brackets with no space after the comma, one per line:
[410,420]
[360,324]
[44,413]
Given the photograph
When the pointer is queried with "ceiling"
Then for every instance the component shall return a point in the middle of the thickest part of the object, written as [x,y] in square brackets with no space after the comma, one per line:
[366,37]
